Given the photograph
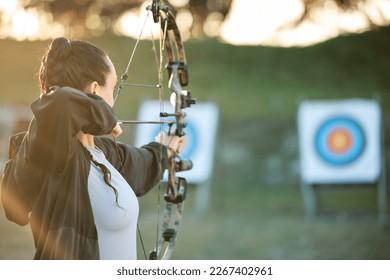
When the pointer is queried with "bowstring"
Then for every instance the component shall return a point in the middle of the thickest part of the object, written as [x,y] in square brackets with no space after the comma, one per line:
[120,86]
[159,62]
[126,73]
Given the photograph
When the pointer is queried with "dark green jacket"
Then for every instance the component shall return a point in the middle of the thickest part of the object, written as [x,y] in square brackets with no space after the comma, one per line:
[45,182]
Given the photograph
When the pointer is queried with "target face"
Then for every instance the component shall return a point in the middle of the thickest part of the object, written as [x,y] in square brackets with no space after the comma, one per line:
[200,135]
[340,141]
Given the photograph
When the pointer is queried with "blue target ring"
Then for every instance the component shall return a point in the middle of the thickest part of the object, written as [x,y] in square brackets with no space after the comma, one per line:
[339,141]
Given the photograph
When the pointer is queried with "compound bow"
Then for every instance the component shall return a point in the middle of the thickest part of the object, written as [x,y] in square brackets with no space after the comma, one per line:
[176,65]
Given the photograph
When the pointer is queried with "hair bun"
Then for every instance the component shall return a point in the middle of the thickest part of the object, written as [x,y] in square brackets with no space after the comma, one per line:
[60,49]
[72,63]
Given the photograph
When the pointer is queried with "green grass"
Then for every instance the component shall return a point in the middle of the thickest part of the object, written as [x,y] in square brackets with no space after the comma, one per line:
[255,209]
[270,224]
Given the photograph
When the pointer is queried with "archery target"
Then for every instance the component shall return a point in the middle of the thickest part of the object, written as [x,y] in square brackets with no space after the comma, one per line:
[339,141]
[200,134]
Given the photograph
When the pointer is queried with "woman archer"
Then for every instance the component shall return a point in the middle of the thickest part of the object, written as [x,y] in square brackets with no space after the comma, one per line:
[78,190]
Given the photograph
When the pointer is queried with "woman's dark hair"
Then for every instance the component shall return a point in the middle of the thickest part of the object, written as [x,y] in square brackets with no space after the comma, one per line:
[106,175]
[72,63]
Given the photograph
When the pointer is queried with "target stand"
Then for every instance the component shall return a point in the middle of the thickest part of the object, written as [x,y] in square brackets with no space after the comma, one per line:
[341,144]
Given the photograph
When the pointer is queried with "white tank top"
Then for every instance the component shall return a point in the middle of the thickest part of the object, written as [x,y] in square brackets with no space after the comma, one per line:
[116,226]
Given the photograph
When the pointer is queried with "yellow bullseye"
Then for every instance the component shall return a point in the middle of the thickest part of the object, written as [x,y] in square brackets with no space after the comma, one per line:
[339,140]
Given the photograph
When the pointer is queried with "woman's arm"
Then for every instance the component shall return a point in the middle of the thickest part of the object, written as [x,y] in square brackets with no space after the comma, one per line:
[142,167]
[59,117]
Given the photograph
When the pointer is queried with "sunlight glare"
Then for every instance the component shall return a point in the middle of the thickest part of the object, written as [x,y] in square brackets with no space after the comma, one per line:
[267,22]
[212,24]
[249,22]
[25,24]
[384,7]
[352,21]
[130,24]
[178,3]
[259,23]
[376,14]
[184,20]
[7,8]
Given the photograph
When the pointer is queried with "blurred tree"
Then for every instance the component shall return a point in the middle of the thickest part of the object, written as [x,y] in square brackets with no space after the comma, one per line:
[346,5]
[204,16]
[83,15]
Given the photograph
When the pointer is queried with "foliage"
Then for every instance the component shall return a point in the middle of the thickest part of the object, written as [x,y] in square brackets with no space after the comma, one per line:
[97,16]
[346,5]
[73,14]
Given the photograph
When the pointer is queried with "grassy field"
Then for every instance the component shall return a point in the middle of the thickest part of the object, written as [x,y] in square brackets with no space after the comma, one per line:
[256,224]
[255,209]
